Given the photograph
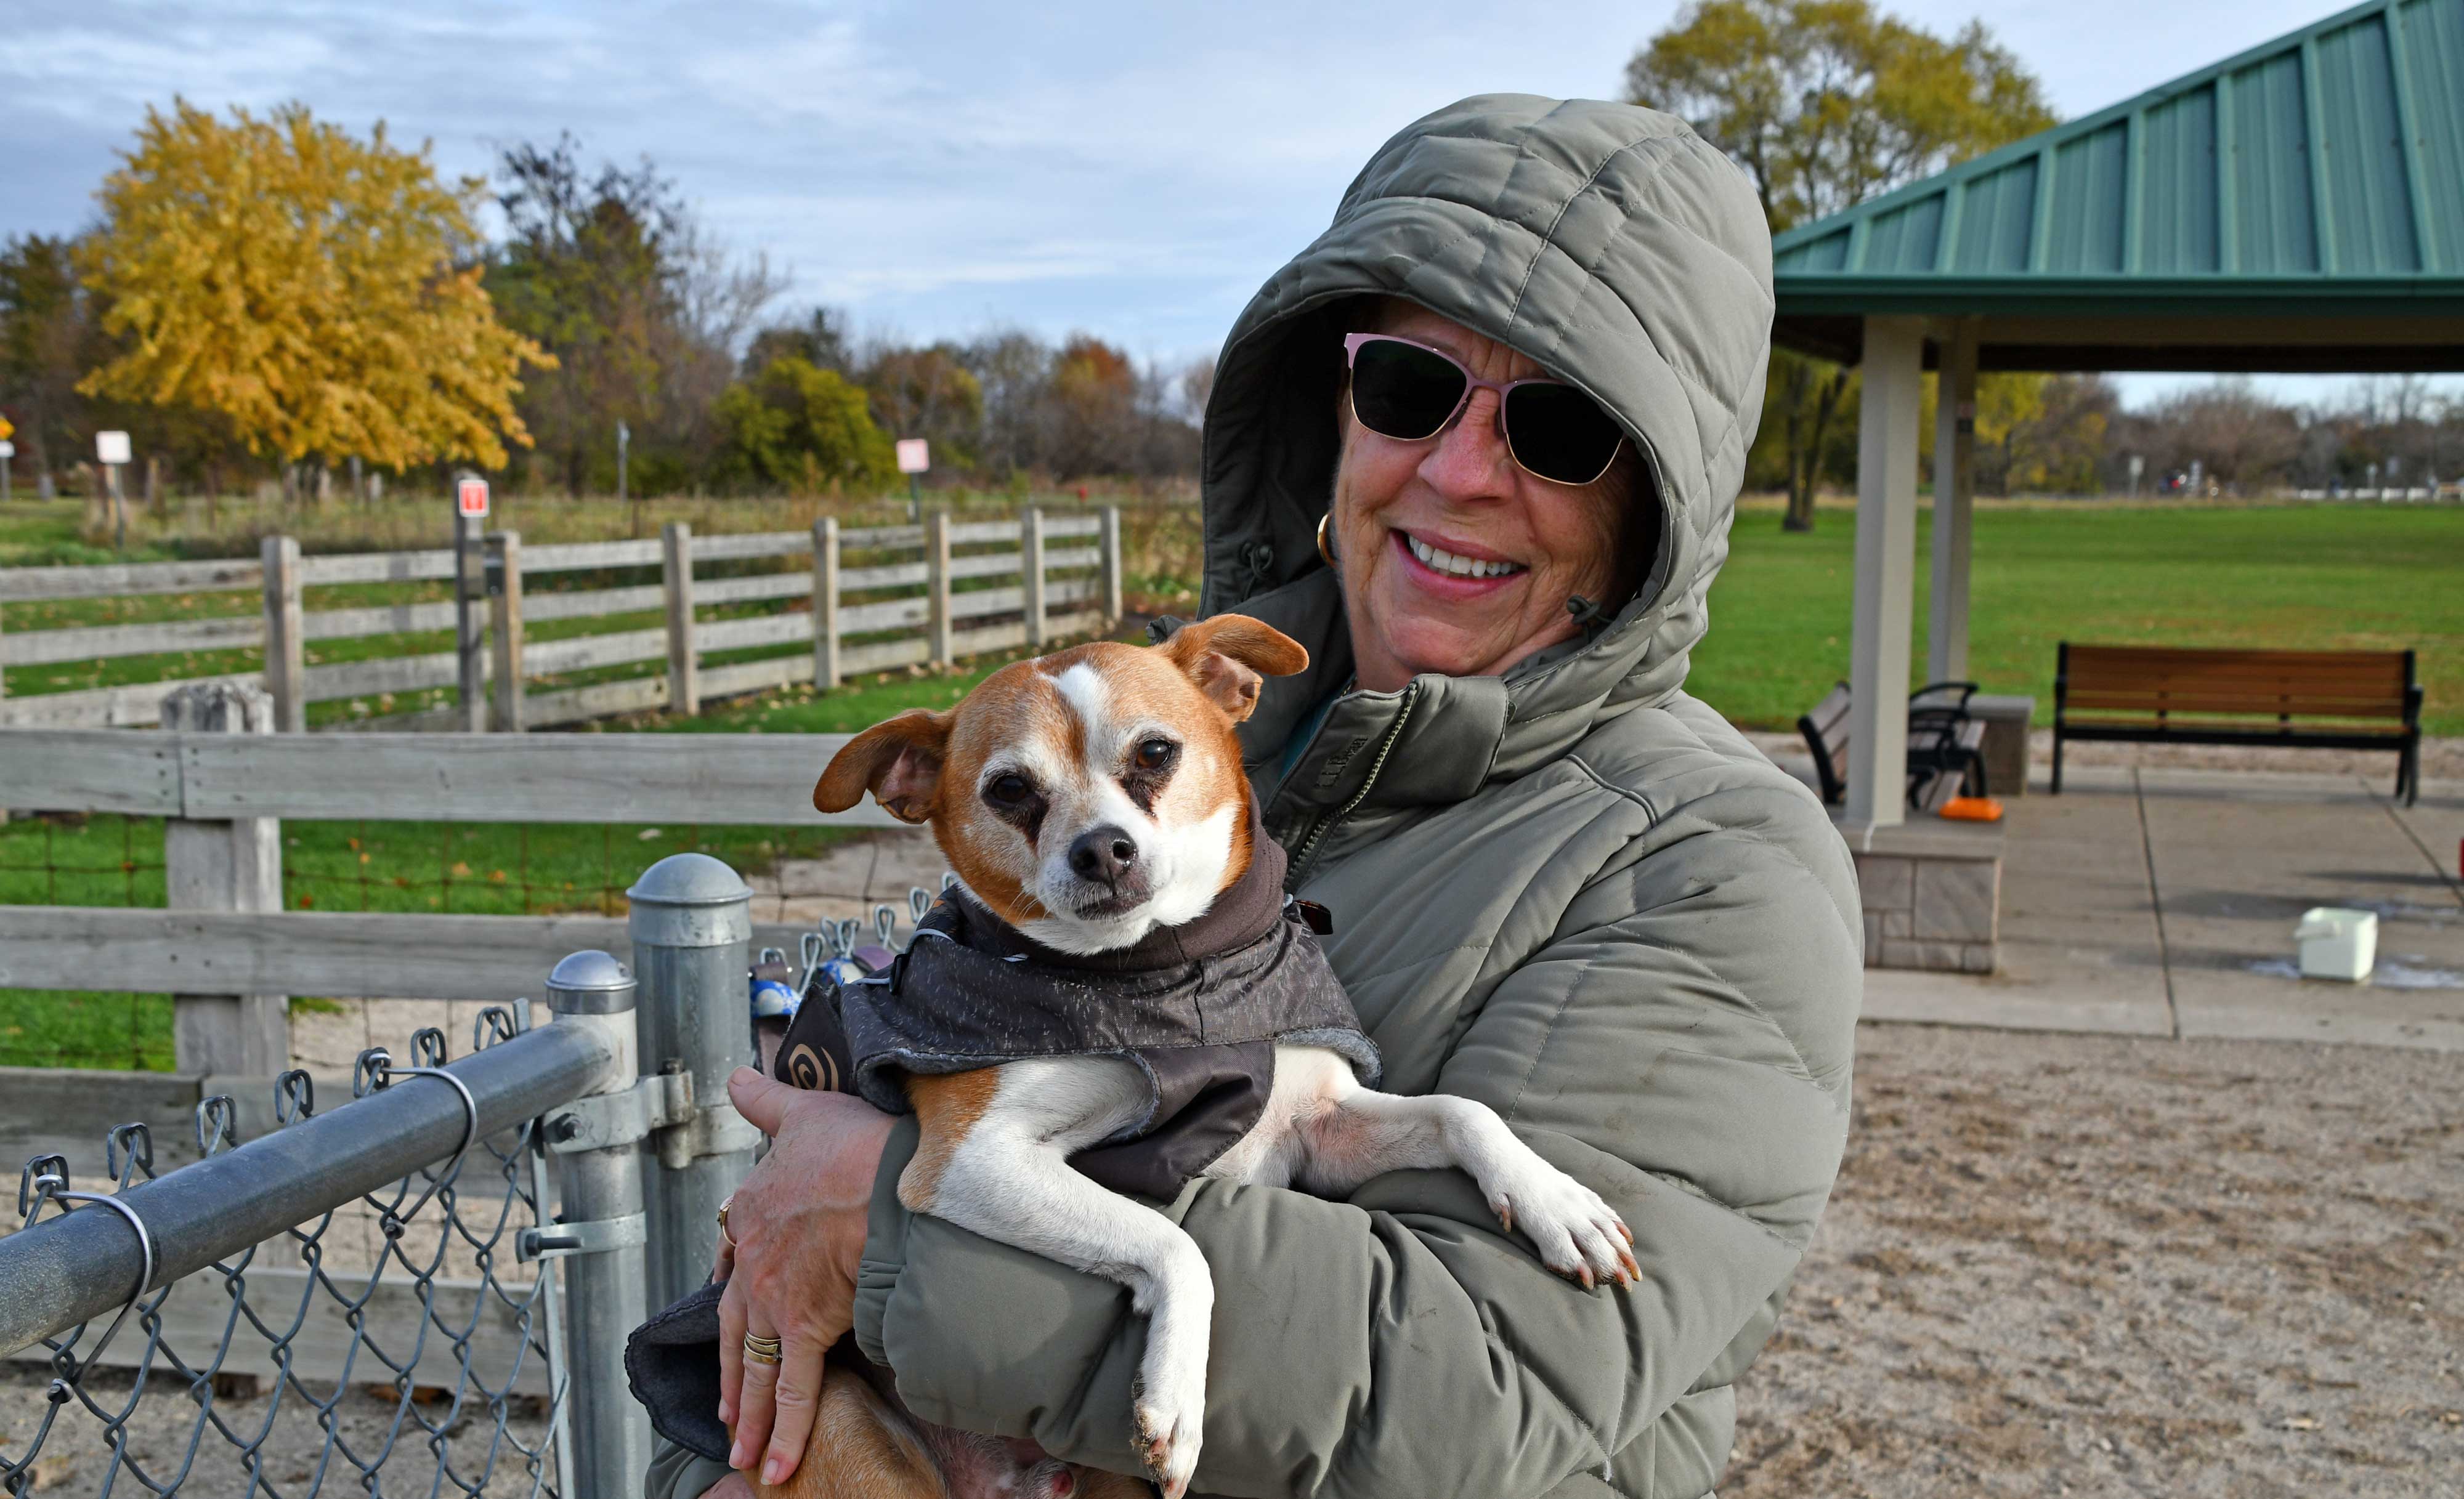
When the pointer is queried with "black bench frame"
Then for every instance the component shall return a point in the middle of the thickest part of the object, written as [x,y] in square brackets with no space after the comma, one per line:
[2285,734]
[1941,741]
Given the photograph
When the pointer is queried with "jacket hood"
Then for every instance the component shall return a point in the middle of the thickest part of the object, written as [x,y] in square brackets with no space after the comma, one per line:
[1607,242]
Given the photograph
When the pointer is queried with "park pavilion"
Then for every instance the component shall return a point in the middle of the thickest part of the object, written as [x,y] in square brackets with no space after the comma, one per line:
[2296,209]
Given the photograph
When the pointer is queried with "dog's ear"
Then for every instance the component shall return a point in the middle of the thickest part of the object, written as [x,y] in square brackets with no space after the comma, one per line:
[1229,656]
[899,762]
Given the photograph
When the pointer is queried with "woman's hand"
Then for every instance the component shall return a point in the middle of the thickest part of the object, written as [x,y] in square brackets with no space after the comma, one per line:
[799,1225]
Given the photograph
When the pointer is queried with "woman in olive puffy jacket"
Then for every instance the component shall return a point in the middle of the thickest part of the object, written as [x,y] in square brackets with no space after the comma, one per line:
[1561,886]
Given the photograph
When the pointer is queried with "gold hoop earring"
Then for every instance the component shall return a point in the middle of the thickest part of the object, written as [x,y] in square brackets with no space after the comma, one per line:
[1324,550]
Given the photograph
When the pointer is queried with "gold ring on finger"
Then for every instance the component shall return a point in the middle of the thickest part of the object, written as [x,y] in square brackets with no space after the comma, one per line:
[724,1206]
[761,1350]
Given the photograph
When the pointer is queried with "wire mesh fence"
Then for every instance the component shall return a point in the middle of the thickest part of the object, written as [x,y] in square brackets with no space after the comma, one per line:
[422,1357]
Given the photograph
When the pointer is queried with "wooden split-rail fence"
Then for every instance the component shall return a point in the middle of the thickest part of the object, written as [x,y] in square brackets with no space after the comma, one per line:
[872,599]
[223,780]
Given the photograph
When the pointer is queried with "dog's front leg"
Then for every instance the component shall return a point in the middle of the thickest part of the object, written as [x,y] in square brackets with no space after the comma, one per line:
[993,1159]
[1357,1133]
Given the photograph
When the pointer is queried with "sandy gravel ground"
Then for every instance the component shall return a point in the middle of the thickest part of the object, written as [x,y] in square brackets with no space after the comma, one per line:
[2070,1264]
[76,1458]
[2055,1264]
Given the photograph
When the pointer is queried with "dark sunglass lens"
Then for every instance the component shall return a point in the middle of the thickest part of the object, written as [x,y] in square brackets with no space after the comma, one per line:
[1401,391]
[1560,434]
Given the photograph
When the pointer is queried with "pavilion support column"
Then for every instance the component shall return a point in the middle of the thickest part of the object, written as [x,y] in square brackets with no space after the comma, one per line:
[1886,548]
[1954,498]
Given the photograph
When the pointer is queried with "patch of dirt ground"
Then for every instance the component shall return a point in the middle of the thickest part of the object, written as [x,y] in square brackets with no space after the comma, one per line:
[436,1447]
[2054,1264]
[2072,1264]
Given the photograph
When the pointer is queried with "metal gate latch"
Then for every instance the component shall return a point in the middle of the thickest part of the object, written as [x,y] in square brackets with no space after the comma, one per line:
[561,1238]
[604,1121]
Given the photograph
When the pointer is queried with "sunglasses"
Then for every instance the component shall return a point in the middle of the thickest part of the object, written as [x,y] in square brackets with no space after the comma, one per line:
[1412,392]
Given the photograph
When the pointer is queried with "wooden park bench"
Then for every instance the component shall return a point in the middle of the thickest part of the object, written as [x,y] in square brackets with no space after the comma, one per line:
[2310,699]
[1945,745]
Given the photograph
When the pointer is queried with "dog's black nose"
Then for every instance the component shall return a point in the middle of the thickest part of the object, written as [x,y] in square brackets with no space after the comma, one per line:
[1104,853]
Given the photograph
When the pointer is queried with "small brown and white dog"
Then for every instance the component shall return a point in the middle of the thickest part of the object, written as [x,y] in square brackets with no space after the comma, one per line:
[1087,798]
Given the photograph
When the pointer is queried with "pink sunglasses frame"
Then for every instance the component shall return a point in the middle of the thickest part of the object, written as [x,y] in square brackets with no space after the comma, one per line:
[1352,343]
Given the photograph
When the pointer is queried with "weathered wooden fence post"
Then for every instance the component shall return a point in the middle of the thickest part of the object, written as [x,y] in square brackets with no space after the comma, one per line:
[826,603]
[684,669]
[1030,568]
[286,670]
[226,866]
[470,651]
[505,627]
[936,581]
[1112,564]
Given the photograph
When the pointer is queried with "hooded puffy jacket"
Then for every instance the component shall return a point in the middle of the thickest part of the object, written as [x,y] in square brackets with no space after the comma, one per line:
[1572,893]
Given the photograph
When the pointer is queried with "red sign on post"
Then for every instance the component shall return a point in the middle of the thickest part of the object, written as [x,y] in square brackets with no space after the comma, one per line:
[471,498]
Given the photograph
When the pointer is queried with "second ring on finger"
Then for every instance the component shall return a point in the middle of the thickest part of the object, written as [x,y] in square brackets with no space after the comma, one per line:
[762,1349]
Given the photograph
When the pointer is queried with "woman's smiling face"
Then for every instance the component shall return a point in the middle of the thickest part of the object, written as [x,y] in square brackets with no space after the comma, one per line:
[1403,510]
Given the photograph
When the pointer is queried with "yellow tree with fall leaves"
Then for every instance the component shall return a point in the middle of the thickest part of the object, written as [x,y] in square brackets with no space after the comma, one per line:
[304,286]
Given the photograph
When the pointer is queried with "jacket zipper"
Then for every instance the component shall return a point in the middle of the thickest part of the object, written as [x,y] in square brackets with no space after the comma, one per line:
[1327,823]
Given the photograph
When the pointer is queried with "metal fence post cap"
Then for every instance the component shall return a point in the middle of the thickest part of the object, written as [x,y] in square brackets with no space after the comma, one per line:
[590,983]
[690,901]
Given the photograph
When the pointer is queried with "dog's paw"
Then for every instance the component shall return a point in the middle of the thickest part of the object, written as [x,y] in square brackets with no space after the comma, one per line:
[1168,1432]
[1578,1236]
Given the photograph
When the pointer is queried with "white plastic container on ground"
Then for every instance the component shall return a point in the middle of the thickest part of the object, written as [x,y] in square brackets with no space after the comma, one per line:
[2337,943]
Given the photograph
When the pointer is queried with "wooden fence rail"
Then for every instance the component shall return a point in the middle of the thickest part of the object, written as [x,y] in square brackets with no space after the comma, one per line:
[336,955]
[221,782]
[946,607]
[757,780]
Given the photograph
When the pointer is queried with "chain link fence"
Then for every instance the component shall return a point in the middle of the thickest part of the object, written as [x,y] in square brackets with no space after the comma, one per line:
[366,1298]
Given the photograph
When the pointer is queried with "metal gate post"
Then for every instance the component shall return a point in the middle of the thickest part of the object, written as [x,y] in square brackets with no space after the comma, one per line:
[600,1233]
[691,925]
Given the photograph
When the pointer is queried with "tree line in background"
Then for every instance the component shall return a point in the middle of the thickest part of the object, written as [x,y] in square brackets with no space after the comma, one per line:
[267,299]
[271,300]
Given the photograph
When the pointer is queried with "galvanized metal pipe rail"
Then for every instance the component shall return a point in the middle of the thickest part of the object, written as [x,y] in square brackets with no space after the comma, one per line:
[83,1265]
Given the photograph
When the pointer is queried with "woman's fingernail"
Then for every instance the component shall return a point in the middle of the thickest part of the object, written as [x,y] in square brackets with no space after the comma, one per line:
[726,1414]
[774,1471]
[736,1458]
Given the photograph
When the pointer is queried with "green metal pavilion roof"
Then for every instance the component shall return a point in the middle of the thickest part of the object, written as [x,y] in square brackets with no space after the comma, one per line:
[2297,207]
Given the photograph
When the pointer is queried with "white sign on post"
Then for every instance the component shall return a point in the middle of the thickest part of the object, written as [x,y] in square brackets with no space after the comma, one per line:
[111,447]
[471,498]
[915,455]
[7,449]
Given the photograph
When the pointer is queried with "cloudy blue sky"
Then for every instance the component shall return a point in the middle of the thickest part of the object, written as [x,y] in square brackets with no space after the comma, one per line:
[1131,169]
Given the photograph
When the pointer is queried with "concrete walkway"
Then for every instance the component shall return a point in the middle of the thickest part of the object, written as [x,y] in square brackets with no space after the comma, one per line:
[2140,901]
[2163,902]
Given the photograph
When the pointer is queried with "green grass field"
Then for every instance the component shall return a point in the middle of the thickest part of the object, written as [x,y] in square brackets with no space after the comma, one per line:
[2287,577]
[2269,576]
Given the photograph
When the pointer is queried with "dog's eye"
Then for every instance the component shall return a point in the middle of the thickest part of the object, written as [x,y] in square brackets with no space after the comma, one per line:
[1155,754]
[1007,790]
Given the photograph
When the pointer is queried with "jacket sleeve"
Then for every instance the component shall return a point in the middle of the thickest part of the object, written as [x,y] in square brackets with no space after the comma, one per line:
[678,1472]
[1682,1044]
